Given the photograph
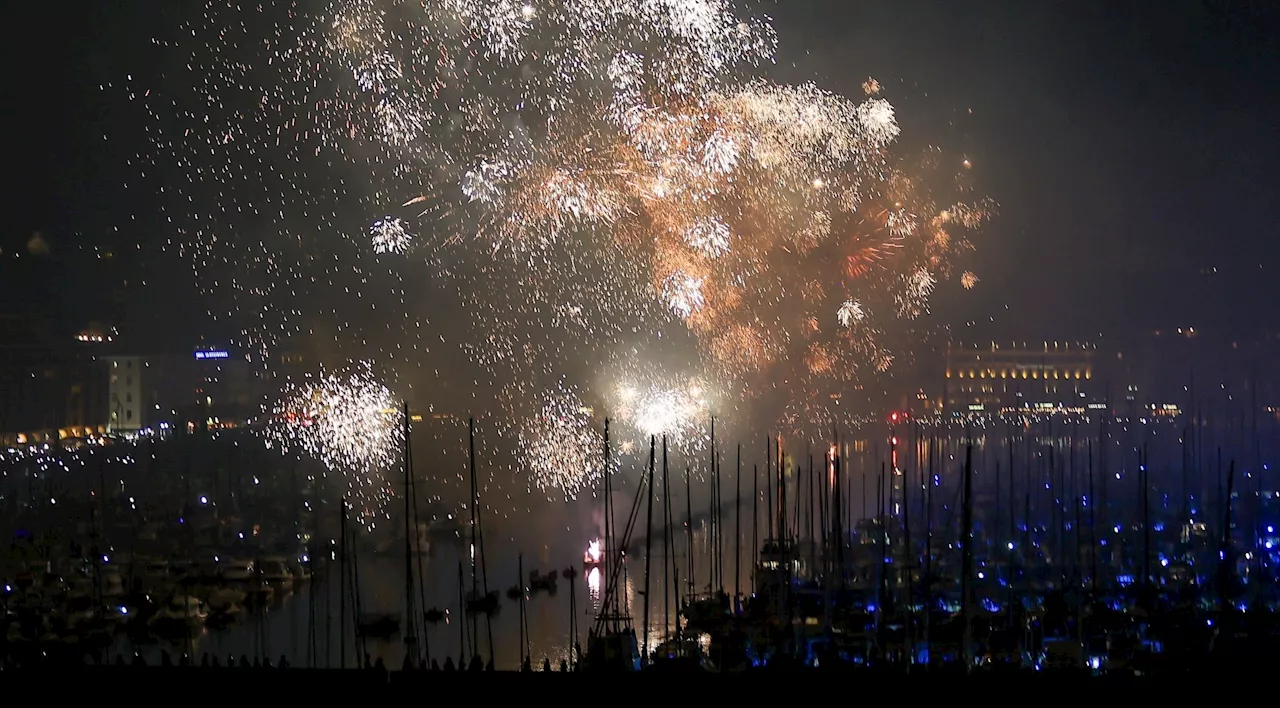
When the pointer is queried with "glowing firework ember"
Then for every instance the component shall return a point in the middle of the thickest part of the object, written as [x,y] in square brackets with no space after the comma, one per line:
[349,422]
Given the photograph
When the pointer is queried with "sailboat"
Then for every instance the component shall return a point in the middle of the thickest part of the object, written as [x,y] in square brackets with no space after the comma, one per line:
[611,643]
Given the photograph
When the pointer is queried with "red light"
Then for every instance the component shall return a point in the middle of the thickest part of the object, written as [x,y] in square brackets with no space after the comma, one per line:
[893,440]
[894,417]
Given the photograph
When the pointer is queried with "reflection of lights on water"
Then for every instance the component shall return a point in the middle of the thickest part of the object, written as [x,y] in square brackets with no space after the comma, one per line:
[593,583]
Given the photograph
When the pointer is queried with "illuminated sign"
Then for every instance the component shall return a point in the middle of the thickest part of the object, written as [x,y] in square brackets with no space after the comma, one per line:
[212,355]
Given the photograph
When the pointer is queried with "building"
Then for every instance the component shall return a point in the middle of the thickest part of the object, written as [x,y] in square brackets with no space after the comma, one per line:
[993,377]
[128,409]
[223,386]
[52,386]
[200,387]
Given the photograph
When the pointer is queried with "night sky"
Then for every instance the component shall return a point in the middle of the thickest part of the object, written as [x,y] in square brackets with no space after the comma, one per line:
[1130,145]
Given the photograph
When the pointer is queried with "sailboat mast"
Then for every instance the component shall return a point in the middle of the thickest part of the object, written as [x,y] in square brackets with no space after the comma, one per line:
[1093,529]
[688,510]
[1143,477]
[648,544]
[475,590]
[737,526]
[928,553]
[813,553]
[966,563]
[768,490]
[410,618]
[520,605]
[342,590]
[1224,553]
[713,520]
[755,523]
[668,544]
[608,514]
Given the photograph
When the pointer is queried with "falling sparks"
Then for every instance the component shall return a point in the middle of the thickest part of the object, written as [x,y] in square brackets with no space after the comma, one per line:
[595,179]
[558,447]
[349,422]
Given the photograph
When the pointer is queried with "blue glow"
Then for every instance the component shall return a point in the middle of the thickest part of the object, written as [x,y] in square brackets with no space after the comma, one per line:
[213,354]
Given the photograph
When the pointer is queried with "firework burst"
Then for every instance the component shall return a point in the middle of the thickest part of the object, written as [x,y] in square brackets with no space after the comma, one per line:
[559,448]
[349,422]
[389,235]
[592,176]
[653,407]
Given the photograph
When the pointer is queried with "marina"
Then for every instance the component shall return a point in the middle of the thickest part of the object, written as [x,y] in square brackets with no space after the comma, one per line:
[833,565]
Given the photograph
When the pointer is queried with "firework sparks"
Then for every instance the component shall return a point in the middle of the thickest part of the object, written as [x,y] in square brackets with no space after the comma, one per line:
[389,235]
[349,422]
[683,293]
[680,411]
[850,313]
[615,171]
[559,448]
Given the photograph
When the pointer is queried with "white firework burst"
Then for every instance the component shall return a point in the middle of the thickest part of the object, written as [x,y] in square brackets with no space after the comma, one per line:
[559,448]
[850,313]
[682,293]
[710,237]
[389,235]
[348,421]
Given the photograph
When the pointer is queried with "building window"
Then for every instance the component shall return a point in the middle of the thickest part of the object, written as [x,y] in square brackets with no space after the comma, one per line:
[128,398]
[128,415]
[129,364]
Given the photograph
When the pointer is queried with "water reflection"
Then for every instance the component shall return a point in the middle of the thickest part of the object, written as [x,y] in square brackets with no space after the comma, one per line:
[594,583]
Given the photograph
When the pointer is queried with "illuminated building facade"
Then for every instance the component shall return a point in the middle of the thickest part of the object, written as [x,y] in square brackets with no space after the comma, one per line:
[207,384]
[995,376]
[128,409]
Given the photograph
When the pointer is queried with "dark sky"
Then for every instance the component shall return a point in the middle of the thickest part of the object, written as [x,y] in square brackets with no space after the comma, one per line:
[1130,145]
